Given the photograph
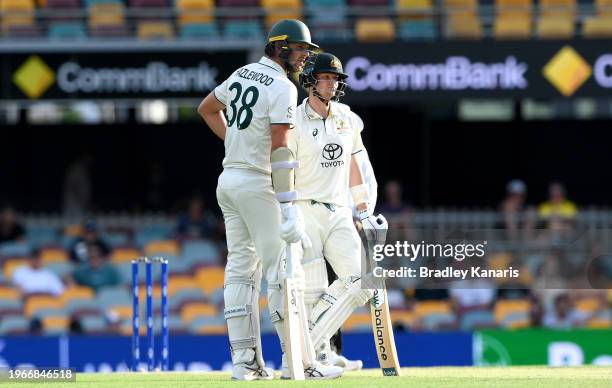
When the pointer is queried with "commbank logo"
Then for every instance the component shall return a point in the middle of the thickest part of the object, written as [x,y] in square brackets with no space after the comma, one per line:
[332,151]
[34,77]
[567,71]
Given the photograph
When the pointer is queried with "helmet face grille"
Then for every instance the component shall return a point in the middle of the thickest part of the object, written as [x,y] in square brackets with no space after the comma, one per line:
[323,63]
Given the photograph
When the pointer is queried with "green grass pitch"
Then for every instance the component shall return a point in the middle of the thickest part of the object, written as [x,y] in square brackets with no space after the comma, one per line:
[520,377]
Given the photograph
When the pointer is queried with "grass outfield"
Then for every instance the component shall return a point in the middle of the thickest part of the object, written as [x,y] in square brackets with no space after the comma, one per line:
[520,377]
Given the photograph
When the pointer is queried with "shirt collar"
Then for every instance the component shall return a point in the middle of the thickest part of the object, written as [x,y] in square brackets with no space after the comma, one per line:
[270,63]
[314,115]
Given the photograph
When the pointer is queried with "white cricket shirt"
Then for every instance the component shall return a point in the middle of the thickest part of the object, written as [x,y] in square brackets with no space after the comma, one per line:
[324,148]
[255,96]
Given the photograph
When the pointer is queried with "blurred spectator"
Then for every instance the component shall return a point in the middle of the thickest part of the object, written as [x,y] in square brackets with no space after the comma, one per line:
[558,212]
[77,197]
[35,326]
[472,293]
[196,222]
[35,279]
[562,315]
[113,322]
[396,211]
[423,294]
[74,325]
[10,228]
[516,217]
[78,250]
[97,272]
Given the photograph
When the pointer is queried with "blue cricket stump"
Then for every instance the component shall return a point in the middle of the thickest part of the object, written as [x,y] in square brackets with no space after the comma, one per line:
[165,351]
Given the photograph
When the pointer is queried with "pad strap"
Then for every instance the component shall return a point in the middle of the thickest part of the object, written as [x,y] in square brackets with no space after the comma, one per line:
[275,317]
[238,311]
[244,343]
[285,164]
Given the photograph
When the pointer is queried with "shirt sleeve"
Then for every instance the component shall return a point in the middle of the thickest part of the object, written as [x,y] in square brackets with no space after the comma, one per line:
[294,140]
[220,92]
[283,105]
[357,128]
[369,178]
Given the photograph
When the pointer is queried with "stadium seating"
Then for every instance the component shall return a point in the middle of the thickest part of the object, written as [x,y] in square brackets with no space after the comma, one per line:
[597,27]
[358,322]
[603,7]
[276,10]
[243,29]
[53,255]
[197,309]
[512,313]
[17,14]
[329,20]
[210,279]
[374,30]
[162,248]
[11,265]
[119,255]
[199,31]
[36,304]
[195,11]
[15,249]
[555,27]
[13,324]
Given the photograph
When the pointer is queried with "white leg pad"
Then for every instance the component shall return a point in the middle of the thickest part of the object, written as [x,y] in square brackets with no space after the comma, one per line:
[338,302]
[275,306]
[241,312]
[315,280]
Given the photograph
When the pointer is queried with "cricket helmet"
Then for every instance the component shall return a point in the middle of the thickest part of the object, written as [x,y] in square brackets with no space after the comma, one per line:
[324,63]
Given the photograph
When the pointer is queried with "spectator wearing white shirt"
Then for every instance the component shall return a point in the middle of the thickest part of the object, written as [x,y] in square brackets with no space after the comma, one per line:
[32,278]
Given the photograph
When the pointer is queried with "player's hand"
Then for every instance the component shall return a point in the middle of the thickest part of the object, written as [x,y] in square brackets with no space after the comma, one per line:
[292,229]
[374,227]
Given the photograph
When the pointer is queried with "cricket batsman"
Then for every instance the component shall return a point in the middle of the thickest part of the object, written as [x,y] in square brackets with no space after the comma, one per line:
[260,111]
[326,143]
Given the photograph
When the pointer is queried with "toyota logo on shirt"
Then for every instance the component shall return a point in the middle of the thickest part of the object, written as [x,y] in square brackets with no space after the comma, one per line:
[332,151]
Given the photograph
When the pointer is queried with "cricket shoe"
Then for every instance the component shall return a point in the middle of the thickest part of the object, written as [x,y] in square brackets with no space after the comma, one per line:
[344,363]
[251,372]
[316,371]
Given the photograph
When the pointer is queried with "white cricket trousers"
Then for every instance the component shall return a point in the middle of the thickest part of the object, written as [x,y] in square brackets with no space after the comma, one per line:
[252,221]
[333,237]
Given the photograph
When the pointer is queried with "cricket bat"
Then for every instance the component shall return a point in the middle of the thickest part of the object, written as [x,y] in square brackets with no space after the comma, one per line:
[299,350]
[382,328]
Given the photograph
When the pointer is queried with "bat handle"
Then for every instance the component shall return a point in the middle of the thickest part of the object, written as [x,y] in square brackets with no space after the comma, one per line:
[289,261]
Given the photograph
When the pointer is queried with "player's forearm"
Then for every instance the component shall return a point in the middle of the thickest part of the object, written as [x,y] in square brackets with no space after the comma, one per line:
[216,123]
[356,185]
[211,111]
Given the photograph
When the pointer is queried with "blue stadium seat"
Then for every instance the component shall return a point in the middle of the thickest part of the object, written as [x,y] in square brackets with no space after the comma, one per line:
[125,272]
[93,323]
[116,239]
[89,3]
[113,296]
[61,269]
[67,31]
[82,305]
[200,252]
[15,249]
[13,323]
[323,3]
[199,31]
[417,29]
[477,319]
[152,233]
[42,235]
[184,295]
[243,29]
